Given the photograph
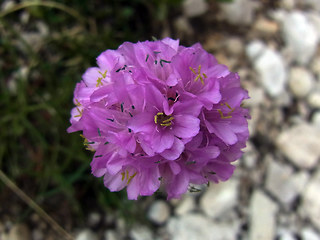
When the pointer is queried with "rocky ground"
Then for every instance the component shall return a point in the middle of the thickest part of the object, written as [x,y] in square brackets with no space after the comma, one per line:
[274,193]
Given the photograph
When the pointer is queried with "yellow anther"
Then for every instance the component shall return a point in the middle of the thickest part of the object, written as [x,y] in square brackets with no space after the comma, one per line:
[222,116]
[103,74]
[131,177]
[199,75]
[77,103]
[123,174]
[80,112]
[164,120]
[99,82]
[127,174]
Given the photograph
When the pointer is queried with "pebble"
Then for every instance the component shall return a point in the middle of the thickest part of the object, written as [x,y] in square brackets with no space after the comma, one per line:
[159,212]
[300,144]
[270,66]
[316,119]
[310,200]
[141,233]
[198,227]
[309,234]
[301,81]
[314,99]
[220,198]
[18,232]
[262,217]
[282,183]
[186,205]
[239,12]
[194,8]
[315,66]
[265,26]
[86,234]
[313,4]
[111,235]
[288,4]
[234,46]
[300,36]
[94,219]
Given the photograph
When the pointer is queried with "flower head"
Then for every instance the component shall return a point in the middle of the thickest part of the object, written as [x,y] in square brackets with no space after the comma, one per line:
[156,113]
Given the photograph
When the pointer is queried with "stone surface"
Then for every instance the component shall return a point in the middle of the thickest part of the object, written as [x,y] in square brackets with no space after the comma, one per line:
[314,99]
[270,66]
[300,36]
[17,232]
[301,81]
[159,212]
[238,11]
[282,183]
[309,234]
[265,26]
[198,227]
[300,144]
[186,205]
[234,46]
[310,200]
[86,234]
[111,235]
[219,198]
[141,233]
[262,217]
[194,8]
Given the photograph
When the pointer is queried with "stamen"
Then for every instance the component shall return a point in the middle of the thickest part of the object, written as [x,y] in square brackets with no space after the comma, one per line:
[98,156]
[222,116]
[99,82]
[165,61]
[121,107]
[77,103]
[147,57]
[103,74]
[199,75]
[110,119]
[123,174]
[168,120]
[127,174]
[80,112]
[99,132]
[130,178]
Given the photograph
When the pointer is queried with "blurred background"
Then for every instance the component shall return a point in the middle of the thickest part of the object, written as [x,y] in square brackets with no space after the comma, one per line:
[45,47]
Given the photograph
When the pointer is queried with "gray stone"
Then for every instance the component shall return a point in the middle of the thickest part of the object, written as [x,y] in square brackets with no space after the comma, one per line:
[288,4]
[301,81]
[159,212]
[198,227]
[282,183]
[310,200]
[309,234]
[270,66]
[300,36]
[300,144]
[194,8]
[314,4]
[316,119]
[86,234]
[238,11]
[234,46]
[220,198]
[262,217]
[141,233]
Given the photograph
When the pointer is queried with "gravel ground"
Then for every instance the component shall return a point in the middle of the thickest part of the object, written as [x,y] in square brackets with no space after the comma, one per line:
[274,193]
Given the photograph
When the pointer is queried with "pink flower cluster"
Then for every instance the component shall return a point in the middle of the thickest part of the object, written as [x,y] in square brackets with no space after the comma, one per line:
[159,114]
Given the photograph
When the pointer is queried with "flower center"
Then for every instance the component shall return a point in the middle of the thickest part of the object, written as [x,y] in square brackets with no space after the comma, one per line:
[163,119]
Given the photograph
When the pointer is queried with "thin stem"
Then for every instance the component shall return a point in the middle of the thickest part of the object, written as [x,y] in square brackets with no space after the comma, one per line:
[34,206]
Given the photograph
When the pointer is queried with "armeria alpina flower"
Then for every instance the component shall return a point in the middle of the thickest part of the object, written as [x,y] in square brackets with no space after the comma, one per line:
[156,113]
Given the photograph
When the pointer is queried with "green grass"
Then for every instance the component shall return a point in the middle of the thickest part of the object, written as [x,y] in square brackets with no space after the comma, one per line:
[36,89]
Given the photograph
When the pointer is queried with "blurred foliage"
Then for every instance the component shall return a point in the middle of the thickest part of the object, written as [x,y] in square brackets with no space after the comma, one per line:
[44,51]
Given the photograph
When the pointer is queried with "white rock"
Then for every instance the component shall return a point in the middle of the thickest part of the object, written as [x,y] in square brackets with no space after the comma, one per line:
[284,234]
[141,233]
[17,232]
[270,66]
[238,11]
[256,95]
[262,217]
[159,212]
[315,65]
[193,8]
[309,234]
[314,99]
[300,36]
[300,81]
[300,144]
[111,235]
[93,219]
[310,200]
[316,119]
[186,205]
[219,198]
[86,234]
[279,182]
[197,227]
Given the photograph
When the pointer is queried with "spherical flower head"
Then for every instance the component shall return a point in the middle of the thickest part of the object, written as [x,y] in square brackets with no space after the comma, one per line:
[159,114]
